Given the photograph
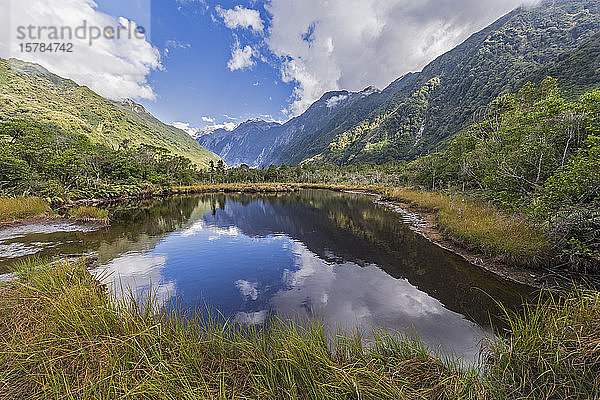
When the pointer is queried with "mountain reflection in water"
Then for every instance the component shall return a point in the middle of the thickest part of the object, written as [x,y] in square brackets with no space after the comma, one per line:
[337,256]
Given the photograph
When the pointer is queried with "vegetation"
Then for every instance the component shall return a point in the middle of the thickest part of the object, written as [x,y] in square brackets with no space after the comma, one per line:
[62,336]
[28,91]
[556,38]
[552,350]
[89,213]
[534,153]
[50,162]
[482,226]
[12,209]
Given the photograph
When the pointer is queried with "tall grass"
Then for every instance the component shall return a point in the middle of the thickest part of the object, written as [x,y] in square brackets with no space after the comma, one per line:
[62,337]
[89,213]
[552,352]
[481,226]
[12,209]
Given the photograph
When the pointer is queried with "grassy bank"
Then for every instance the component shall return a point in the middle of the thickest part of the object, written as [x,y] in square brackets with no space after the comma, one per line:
[478,226]
[89,213]
[14,209]
[61,337]
[481,226]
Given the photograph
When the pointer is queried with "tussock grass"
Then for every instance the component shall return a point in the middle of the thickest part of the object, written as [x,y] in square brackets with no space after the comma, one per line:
[89,213]
[481,226]
[13,209]
[62,337]
[552,352]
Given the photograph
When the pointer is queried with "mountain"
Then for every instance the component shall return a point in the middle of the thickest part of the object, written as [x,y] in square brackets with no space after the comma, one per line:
[419,112]
[242,145]
[449,91]
[258,143]
[29,91]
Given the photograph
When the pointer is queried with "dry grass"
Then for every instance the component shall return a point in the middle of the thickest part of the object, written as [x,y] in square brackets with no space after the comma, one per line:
[14,209]
[88,213]
[481,226]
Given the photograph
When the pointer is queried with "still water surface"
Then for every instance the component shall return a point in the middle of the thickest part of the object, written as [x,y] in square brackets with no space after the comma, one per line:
[338,256]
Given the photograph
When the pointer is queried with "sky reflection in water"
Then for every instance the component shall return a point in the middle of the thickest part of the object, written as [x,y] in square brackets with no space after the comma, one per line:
[314,253]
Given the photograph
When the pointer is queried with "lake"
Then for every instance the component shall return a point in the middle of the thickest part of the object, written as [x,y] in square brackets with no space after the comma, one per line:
[340,257]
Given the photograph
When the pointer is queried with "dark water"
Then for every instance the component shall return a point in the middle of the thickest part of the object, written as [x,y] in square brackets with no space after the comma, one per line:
[335,255]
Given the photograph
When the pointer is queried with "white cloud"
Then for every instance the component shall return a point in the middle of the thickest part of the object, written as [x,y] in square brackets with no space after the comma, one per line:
[184,126]
[241,17]
[350,44]
[241,58]
[332,102]
[248,290]
[208,119]
[115,68]
[195,132]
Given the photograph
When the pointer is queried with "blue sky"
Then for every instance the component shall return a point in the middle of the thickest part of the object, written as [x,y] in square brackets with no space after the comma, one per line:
[195,47]
[212,62]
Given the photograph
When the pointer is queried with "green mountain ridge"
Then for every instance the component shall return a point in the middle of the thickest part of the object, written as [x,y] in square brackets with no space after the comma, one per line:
[558,38]
[29,91]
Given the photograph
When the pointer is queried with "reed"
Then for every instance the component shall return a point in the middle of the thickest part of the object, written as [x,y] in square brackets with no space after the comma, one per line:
[552,350]
[90,213]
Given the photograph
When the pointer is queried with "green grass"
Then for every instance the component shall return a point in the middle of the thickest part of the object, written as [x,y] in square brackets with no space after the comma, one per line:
[13,209]
[62,337]
[553,351]
[89,213]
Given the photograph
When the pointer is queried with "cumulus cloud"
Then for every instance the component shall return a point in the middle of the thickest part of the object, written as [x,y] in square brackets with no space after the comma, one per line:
[241,17]
[241,57]
[208,119]
[114,68]
[185,126]
[350,44]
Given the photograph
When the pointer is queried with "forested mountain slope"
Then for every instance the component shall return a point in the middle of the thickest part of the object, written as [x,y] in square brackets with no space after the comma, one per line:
[419,112]
[256,146]
[526,44]
[29,91]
